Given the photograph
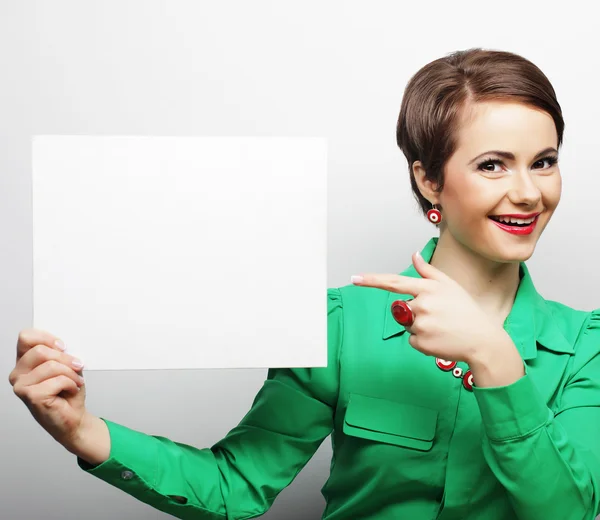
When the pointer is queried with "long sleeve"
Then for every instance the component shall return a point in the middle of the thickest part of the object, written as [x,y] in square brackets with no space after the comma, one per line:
[549,462]
[240,476]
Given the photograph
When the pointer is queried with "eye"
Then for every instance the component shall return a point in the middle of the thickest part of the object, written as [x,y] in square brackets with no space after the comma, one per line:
[550,159]
[485,165]
[489,162]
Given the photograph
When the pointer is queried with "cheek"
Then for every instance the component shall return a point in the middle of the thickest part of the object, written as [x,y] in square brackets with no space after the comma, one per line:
[551,189]
[556,191]
[468,202]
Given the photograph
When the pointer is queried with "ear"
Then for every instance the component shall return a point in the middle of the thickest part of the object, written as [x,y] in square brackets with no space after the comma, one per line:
[426,186]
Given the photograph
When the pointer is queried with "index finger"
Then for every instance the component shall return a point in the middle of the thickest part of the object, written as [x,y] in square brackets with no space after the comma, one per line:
[29,338]
[392,282]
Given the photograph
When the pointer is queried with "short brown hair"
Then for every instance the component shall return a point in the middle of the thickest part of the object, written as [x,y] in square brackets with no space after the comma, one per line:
[435,96]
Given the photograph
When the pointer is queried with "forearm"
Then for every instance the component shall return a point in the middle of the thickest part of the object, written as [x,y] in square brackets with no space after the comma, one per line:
[545,474]
[179,479]
[92,443]
[239,476]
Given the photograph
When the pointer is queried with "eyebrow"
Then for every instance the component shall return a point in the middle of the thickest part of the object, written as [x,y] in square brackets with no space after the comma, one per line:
[508,155]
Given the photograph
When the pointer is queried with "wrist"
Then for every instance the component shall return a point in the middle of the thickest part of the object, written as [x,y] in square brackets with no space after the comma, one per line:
[497,362]
[92,440]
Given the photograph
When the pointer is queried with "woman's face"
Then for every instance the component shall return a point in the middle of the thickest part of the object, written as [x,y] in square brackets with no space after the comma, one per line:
[479,182]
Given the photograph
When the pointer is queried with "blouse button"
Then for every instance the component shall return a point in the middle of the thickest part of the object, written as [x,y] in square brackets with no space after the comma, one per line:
[468,381]
[127,475]
[457,372]
[180,499]
[446,366]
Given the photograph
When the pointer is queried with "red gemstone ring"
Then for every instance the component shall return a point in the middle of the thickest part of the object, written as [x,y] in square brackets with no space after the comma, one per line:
[402,313]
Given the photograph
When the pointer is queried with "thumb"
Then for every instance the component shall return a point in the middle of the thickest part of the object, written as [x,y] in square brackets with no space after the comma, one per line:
[425,269]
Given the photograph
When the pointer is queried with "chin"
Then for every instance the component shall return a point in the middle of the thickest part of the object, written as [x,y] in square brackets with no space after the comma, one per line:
[507,249]
[515,253]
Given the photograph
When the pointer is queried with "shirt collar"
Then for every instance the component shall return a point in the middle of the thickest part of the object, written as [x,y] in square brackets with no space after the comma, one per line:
[530,320]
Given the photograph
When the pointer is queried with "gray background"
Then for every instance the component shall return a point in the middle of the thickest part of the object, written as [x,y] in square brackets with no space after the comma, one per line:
[329,68]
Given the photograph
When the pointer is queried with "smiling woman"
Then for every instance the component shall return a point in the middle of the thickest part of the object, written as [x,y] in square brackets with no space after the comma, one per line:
[517,181]
[453,390]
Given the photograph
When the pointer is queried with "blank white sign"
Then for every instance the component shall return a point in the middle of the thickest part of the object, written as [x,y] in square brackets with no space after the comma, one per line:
[182,252]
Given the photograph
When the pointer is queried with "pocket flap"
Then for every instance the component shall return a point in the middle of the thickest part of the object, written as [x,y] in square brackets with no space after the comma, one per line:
[390,421]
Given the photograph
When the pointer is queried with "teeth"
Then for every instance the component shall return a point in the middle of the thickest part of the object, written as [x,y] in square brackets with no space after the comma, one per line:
[510,220]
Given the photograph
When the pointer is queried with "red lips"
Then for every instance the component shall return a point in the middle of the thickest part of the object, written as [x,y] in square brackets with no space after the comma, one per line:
[517,230]
[517,215]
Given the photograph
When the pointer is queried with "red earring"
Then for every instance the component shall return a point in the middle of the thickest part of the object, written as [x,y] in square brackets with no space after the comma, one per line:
[434,215]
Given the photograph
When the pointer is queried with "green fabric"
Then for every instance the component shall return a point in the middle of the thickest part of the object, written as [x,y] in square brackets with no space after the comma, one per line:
[409,442]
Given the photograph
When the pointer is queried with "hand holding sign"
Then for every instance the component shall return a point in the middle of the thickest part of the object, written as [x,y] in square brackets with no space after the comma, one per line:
[49,382]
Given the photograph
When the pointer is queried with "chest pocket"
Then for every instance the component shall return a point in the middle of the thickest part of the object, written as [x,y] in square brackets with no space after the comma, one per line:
[390,422]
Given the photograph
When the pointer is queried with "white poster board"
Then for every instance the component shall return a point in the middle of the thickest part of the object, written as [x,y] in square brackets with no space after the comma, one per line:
[182,252]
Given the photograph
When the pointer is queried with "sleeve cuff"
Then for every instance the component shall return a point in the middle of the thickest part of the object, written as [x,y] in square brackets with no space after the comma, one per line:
[513,411]
[132,460]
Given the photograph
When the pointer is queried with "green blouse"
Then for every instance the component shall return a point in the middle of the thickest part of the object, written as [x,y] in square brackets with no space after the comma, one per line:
[409,441]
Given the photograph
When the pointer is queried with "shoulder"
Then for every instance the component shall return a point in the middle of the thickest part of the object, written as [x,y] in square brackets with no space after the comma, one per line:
[334,298]
[574,323]
[589,336]
[582,329]
[357,300]
[571,321]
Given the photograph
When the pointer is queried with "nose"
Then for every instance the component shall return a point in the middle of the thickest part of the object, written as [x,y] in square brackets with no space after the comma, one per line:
[524,190]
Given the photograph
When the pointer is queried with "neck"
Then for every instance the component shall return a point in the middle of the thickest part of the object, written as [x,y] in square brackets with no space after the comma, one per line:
[493,285]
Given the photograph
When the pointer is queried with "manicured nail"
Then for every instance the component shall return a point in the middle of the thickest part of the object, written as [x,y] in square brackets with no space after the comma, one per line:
[60,345]
[356,278]
[77,363]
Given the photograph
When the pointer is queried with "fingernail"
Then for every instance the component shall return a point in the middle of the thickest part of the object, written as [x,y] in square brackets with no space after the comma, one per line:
[418,254]
[77,363]
[356,278]
[60,345]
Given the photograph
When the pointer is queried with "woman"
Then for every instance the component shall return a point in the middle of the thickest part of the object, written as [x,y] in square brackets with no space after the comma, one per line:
[452,391]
